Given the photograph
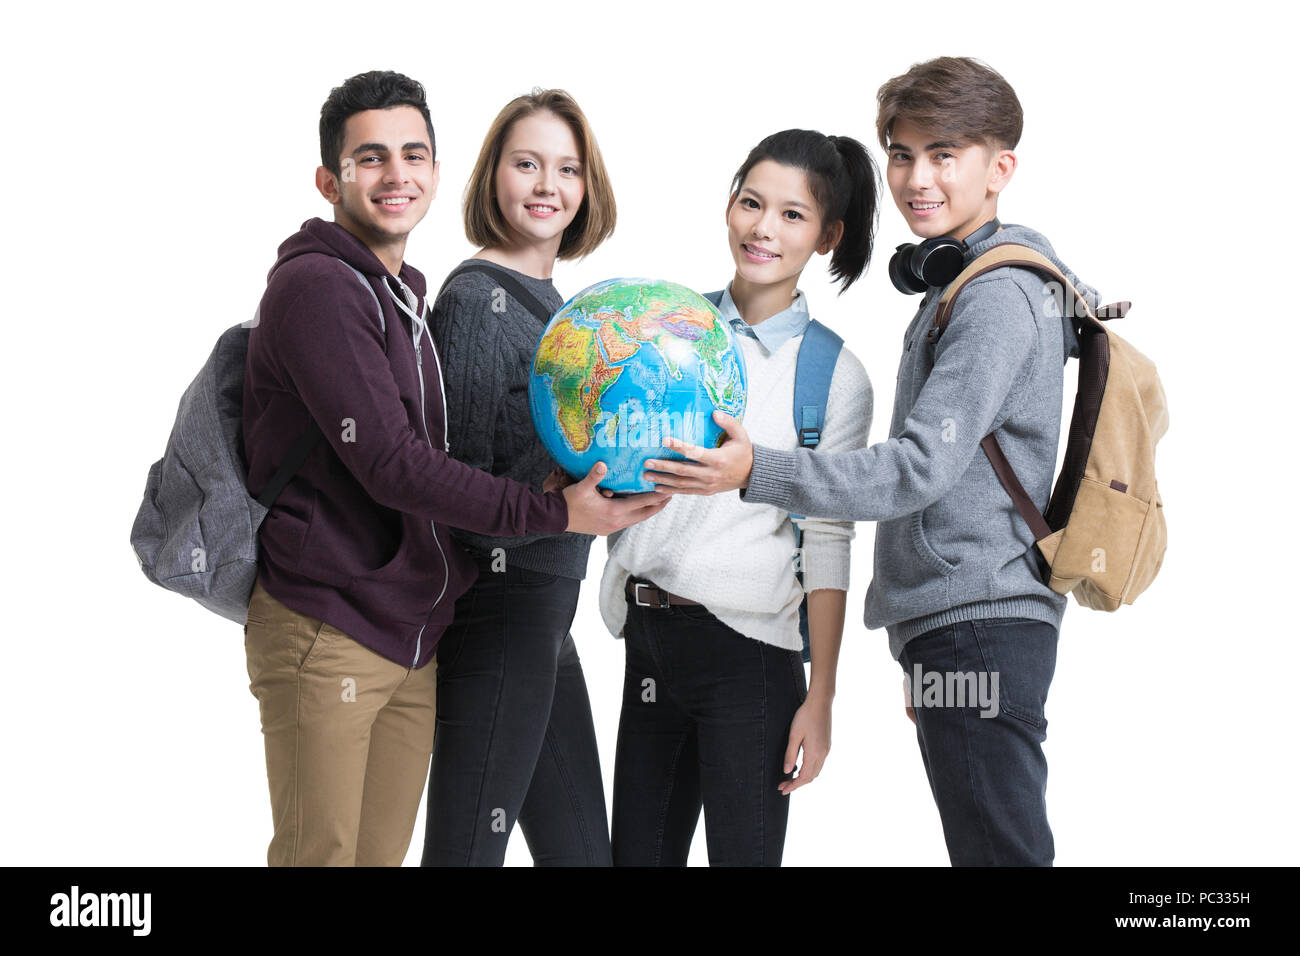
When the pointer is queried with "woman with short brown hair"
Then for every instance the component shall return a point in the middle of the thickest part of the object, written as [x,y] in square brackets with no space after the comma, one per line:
[514,720]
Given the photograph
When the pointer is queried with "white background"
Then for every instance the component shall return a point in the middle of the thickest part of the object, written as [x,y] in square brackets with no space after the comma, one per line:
[156,157]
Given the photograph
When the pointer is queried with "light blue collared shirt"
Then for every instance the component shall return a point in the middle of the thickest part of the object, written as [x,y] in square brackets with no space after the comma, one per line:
[773,332]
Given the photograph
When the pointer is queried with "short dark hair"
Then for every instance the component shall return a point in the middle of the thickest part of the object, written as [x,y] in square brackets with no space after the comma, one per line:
[843,181]
[376,90]
[956,97]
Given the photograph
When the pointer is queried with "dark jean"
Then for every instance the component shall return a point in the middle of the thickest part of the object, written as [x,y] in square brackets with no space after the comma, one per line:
[706,717]
[988,774]
[514,738]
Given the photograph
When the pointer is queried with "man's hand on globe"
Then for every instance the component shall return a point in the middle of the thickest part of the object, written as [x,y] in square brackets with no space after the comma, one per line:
[593,510]
[710,471]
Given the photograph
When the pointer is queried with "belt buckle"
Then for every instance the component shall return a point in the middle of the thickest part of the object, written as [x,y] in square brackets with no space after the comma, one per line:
[636,595]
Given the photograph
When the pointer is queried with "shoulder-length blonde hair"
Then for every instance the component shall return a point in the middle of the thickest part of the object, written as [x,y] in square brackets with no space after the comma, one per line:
[594,223]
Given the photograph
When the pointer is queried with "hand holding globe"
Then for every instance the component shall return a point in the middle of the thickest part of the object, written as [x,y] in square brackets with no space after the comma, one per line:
[706,471]
[592,512]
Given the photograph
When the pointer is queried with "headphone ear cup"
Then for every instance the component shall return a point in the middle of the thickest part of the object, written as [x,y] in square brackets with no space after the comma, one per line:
[901,272]
[937,262]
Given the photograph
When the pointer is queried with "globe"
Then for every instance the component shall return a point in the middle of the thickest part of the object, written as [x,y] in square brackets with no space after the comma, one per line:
[626,363]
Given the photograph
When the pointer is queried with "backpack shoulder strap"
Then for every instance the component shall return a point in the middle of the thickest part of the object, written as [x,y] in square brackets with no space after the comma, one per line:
[307,441]
[508,282]
[1007,254]
[818,353]
[383,326]
[1010,254]
[814,367]
[1014,489]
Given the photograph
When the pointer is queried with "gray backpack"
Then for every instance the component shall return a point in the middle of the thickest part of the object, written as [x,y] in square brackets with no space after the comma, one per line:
[196,530]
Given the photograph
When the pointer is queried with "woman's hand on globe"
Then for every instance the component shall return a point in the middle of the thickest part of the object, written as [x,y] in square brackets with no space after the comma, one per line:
[594,510]
[557,480]
[710,471]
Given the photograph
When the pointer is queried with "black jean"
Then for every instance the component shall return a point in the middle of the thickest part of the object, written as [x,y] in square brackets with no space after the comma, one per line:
[979,691]
[705,721]
[514,738]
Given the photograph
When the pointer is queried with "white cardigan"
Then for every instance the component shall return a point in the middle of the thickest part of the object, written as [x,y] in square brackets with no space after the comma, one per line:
[739,559]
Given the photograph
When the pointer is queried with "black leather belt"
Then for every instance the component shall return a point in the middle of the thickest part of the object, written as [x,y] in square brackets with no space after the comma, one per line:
[648,594]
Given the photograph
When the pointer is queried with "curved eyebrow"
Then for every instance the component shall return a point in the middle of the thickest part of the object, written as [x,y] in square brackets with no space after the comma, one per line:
[759,196]
[530,152]
[943,144]
[383,147]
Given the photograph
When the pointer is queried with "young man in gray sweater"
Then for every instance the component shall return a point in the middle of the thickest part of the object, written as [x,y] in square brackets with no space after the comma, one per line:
[957,583]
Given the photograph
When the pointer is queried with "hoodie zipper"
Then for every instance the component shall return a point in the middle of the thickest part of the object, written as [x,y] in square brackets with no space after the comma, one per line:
[417,333]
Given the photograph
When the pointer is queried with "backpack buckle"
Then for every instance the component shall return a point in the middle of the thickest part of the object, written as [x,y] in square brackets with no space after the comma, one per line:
[809,437]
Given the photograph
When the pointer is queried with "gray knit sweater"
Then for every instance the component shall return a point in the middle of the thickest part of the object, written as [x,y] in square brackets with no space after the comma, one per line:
[950,545]
[486,341]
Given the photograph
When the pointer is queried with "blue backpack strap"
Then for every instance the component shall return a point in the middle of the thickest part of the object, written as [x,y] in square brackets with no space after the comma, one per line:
[818,353]
[715,298]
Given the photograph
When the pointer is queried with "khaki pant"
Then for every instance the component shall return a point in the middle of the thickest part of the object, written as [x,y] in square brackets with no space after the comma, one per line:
[348,738]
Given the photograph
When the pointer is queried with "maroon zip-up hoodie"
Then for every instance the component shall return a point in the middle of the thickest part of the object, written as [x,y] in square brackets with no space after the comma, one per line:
[358,538]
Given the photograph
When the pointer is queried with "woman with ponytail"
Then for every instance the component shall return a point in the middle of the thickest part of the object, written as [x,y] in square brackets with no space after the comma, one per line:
[716,708]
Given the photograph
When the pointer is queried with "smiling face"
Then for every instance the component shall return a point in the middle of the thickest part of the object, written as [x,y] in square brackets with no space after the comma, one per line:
[539,180]
[943,188]
[774,225]
[388,176]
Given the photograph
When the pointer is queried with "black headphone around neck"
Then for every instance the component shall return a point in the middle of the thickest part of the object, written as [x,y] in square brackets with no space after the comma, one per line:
[917,267]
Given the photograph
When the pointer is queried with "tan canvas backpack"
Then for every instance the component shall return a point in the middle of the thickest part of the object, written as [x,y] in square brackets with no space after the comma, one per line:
[1103,535]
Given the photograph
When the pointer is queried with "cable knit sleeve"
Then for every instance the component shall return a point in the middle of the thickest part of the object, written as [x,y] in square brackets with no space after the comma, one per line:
[849,406]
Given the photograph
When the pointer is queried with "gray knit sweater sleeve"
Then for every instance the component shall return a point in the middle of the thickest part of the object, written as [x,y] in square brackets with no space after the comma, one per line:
[485,341]
[981,363]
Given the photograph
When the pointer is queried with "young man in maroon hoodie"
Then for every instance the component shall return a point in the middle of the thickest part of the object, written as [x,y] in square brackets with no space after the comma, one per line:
[357,575]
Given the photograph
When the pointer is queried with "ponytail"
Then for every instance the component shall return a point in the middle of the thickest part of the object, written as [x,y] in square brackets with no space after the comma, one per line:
[843,180]
[853,253]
